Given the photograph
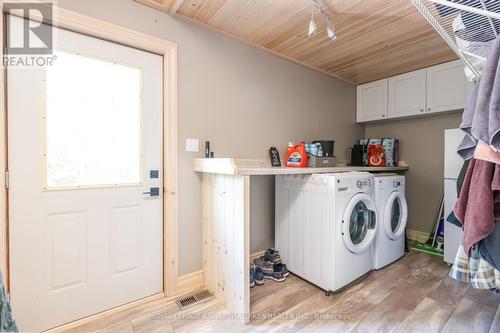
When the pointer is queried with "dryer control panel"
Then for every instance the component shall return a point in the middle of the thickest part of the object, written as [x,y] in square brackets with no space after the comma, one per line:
[397,184]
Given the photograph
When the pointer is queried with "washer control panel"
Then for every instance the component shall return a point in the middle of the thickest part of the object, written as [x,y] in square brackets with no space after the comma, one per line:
[364,183]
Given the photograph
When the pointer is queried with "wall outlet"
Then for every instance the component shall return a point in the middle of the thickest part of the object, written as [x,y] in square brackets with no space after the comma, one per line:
[192,145]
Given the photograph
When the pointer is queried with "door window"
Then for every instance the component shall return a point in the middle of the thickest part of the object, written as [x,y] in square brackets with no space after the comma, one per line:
[92,126]
[359,222]
[395,214]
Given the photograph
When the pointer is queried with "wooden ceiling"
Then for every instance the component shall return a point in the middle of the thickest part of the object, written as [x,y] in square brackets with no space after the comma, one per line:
[376,38]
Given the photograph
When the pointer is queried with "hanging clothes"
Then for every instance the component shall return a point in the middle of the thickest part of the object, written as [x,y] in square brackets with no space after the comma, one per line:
[478,205]
[489,248]
[478,272]
[481,118]
[477,39]
[486,153]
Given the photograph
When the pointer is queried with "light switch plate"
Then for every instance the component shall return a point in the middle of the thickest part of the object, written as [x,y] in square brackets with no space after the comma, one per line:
[192,145]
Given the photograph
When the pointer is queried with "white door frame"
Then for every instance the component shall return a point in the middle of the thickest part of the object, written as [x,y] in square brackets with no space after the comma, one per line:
[100,29]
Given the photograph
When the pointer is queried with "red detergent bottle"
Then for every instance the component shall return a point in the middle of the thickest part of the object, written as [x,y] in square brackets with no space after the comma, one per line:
[296,156]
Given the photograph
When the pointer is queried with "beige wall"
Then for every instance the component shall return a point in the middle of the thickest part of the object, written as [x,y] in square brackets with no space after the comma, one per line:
[261,213]
[241,99]
[422,147]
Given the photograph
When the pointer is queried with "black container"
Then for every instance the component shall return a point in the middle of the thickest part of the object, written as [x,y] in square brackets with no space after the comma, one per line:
[328,146]
[357,155]
[207,149]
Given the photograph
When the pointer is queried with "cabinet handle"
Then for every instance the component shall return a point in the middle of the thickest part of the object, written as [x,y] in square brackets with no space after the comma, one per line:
[383,116]
[428,109]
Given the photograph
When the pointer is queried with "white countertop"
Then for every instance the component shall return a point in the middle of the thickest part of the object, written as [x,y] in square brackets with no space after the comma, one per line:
[256,167]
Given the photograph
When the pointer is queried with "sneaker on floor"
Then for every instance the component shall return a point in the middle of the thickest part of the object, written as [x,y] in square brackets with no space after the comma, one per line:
[273,256]
[264,264]
[282,268]
[258,276]
[276,275]
[252,274]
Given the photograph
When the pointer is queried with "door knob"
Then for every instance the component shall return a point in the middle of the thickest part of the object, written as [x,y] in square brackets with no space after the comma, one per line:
[153,192]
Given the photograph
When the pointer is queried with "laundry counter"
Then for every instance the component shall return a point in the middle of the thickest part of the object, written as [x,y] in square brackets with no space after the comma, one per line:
[226,208]
[256,167]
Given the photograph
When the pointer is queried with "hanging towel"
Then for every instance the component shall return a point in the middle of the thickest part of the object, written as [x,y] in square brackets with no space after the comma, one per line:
[485,153]
[489,248]
[478,205]
[7,323]
[475,270]
[481,118]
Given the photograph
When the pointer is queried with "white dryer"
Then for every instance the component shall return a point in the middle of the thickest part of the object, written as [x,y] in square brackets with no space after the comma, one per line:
[325,226]
[392,217]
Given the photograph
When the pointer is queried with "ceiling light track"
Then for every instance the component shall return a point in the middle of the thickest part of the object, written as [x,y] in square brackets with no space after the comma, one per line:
[313,26]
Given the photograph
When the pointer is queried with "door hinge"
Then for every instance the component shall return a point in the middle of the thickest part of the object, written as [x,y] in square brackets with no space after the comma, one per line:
[6,179]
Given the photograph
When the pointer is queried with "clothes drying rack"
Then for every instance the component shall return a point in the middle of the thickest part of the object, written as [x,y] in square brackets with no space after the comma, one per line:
[469,27]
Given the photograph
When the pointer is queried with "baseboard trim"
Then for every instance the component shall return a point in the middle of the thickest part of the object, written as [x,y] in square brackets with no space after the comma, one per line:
[190,282]
[417,236]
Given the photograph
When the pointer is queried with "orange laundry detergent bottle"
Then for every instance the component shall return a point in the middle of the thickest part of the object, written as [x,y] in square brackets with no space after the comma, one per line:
[296,156]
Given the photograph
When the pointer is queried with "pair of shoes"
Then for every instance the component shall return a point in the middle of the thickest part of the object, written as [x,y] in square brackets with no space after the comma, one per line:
[256,276]
[282,268]
[274,271]
[265,264]
[277,274]
[273,256]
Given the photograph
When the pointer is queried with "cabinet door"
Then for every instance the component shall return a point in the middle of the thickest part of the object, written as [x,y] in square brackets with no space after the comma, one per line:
[447,87]
[407,94]
[372,101]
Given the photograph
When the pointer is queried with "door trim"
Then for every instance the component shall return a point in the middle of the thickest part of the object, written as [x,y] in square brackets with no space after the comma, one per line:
[75,22]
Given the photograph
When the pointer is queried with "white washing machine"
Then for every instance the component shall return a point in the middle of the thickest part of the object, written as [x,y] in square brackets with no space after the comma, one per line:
[392,215]
[325,226]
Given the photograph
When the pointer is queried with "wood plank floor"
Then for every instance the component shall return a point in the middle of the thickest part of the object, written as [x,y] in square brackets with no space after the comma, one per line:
[412,295]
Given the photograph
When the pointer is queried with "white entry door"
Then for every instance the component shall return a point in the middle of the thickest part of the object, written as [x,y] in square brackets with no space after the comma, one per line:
[85,148]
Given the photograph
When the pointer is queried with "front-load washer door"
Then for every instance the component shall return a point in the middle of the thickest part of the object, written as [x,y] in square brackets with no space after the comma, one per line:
[395,215]
[359,223]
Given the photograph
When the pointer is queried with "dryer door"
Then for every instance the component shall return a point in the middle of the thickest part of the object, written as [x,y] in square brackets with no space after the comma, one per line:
[395,215]
[359,223]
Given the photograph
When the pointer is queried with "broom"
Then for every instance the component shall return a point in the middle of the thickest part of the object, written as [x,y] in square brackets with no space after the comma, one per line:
[430,245]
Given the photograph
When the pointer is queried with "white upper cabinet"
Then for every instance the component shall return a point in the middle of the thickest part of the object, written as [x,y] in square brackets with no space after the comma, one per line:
[426,91]
[447,87]
[372,101]
[407,94]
